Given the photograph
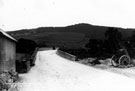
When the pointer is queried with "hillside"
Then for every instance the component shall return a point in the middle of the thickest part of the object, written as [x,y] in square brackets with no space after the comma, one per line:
[70,36]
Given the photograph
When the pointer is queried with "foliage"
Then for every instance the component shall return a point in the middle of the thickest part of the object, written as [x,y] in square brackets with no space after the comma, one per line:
[25,46]
[113,34]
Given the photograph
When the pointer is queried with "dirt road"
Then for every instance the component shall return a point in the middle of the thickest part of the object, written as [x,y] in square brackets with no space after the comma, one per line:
[54,73]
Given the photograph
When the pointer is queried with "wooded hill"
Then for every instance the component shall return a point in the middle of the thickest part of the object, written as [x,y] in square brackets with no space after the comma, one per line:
[74,36]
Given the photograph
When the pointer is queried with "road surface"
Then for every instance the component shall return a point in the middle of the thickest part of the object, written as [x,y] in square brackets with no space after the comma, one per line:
[54,73]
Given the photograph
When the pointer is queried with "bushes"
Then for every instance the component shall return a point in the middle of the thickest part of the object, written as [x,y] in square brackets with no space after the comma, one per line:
[25,46]
[80,53]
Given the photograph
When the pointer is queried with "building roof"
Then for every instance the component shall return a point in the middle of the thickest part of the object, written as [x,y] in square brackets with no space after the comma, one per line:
[7,35]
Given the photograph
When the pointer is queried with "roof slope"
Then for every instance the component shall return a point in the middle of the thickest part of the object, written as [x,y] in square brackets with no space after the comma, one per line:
[7,35]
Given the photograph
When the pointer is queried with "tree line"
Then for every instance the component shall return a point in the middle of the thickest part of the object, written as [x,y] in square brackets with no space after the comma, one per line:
[113,42]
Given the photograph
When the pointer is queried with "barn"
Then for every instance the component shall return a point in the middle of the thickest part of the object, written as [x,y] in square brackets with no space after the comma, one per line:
[7,52]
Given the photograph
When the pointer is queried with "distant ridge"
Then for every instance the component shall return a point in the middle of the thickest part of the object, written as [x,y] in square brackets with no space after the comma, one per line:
[70,36]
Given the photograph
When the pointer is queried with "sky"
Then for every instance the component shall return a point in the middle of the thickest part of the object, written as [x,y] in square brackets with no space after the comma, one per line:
[26,14]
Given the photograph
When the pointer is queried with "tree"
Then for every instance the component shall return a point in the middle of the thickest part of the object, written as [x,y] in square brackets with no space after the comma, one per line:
[113,34]
[25,46]
[93,47]
[114,37]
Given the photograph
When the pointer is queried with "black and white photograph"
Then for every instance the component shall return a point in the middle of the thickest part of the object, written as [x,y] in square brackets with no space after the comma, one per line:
[67,45]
